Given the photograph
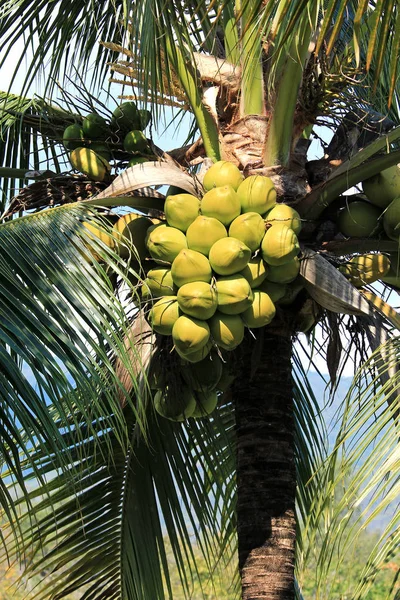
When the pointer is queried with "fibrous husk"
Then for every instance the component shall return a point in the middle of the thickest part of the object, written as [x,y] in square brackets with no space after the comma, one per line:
[234,294]
[249,228]
[257,194]
[228,256]
[282,213]
[91,164]
[221,203]
[164,315]
[131,230]
[198,299]
[203,233]
[190,266]
[359,219]
[261,312]
[391,220]
[164,242]
[280,245]
[159,283]
[276,291]
[189,334]
[285,273]
[227,331]
[383,188]
[175,405]
[365,269]
[255,271]
[181,210]
[222,173]
[206,403]
[204,375]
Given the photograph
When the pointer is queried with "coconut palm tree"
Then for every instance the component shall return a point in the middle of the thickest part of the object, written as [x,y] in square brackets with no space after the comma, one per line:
[111,478]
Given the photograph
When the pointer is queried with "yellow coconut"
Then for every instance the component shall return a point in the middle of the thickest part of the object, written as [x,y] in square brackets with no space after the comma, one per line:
[365,269]
[203,233]
[204,375]
[99,237]
[285,273]
[130,231]
[228,256]
[255,271]
[164,315]
[280,245]
[221,203]
[197,355]
[222,173]
[159,283]
[276,291]
[261,312]
[282,213]
[234,294]
[391,220]
[190,266]
[205,404]
[189,334]
[383,188]
[164,243]
[249,228]
[359,219]
[175,405]
[227,331]
[181,210]
[198,299]
[257,194]
[91,164]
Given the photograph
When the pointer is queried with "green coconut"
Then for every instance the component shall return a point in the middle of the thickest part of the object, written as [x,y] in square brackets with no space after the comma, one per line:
[261,312]
[203,233]
[102,149]
[392,277]
[136,141]
[94,126]
[164,314]
[255,271]
[292,291]
[126,117]
[204,375]
[280,245]
[145,118]
[198,299]
[181,210]
[99,236]
[285,273]
[91,164]
[138,160]
[234,294]
[197,355]
[164,242]
[365,269]
[227,331]
[175,405]
[228,256]
[222,173]
[190,266]
[159,283]
[257,194]
[221,203]
[383,188]
[276,291]
[205,404]
[73,137]
[130,230]
[359,219]
[282,213]
[249,228]
[189,334]
[391,220]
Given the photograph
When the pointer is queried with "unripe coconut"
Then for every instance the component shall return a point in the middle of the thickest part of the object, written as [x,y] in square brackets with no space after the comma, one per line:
[255,271]
[204,375]
[391,220]
[130,231]
[276,291]
[164,243]
[190,334]
[164,315]
[94,126]
[359,219]
[136,141]
[228,256]
[383,188]
[234,294]
[91,164]
[285,273]
[198,300]
[249,228]
[257,194]
[221,203]
[282,213]
[190,266]
[73,137]
[137,160]
[101,149]
[365,269]
[222,173]
[205,404]
[227,331]
[197,355]
[145,117]
[261,312]
[181,210]
[280,245]
[173,405]
[126,117]
[203,233]
[392,277]
[292,291]
[100,237]
[159,282]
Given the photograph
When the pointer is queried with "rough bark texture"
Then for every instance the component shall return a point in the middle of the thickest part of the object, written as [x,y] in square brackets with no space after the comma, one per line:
[265,470]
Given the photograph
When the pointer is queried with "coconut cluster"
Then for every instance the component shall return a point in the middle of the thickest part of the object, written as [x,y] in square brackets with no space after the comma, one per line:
[93,140]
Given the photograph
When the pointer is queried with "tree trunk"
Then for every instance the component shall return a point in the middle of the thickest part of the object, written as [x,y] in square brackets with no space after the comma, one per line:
[265,468]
